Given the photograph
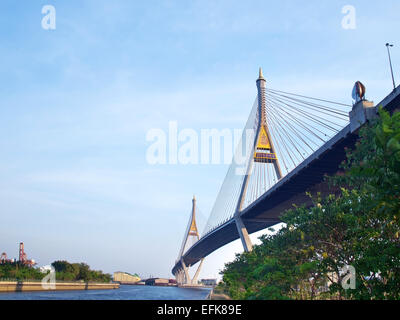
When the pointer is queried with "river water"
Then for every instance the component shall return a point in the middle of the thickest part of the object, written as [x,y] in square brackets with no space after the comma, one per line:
[123,293]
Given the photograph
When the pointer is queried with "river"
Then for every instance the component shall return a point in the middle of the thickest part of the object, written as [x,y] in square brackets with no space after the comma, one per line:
[123,293]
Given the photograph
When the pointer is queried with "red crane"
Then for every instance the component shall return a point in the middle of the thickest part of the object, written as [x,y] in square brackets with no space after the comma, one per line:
[22,254]
[23,257]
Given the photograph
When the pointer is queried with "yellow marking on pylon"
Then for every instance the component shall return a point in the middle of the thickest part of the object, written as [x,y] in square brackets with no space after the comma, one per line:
[265,157]
[263,141]
[263,149]
[193,229]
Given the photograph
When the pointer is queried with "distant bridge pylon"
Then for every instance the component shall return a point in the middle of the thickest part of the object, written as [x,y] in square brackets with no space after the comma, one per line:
[190,237]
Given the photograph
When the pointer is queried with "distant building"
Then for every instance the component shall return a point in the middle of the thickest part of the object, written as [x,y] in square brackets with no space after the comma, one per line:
[157,282]
[209,282]
[45,269]
[124,277]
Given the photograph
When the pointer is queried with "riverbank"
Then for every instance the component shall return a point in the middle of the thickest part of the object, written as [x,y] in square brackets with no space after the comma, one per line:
[30,286]
[217,296]
[123,293]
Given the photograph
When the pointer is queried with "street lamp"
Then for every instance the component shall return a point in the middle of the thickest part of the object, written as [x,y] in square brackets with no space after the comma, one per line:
[390,61]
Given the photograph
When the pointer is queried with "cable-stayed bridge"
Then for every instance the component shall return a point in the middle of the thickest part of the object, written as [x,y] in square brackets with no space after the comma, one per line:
[290,142]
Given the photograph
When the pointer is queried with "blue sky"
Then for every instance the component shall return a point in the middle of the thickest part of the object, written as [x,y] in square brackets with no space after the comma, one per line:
[76,104]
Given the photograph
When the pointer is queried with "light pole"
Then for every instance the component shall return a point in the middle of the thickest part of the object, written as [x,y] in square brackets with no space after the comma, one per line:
[390,61]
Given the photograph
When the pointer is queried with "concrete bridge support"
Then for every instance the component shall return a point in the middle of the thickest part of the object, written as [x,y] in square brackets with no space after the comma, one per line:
[241,228]
[244,235]
[362,112]
[179,276]
[183,277]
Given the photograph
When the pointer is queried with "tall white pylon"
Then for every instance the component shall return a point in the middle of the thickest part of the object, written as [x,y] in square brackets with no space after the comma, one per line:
[263,152]
[182,275]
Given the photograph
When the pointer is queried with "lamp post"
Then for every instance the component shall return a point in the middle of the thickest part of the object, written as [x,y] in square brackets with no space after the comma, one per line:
[390,62]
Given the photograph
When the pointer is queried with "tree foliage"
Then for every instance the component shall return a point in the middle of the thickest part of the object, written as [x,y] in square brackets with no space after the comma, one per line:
[78,272]
[65,271]
[359,226]
[18,271]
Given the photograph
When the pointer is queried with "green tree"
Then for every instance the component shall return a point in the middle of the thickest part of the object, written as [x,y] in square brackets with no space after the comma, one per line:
[79,272]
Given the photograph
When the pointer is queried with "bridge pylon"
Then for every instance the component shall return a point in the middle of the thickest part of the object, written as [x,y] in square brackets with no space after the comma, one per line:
[263,151]
[182,275]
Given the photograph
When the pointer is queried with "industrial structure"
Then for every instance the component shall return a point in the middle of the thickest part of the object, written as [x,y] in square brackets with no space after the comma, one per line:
[296,141]
[23,258]
[4,259]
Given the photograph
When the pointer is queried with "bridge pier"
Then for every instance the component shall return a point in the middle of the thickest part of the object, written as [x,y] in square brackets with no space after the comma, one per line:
[183,277]
[186,271]
[179,276]
[196,275]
